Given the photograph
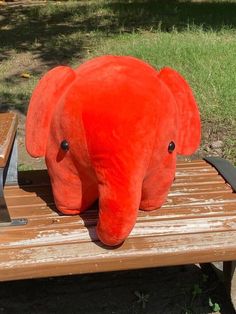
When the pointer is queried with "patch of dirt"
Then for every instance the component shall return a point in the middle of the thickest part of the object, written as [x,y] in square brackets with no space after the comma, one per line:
[26,62]
[169,290]
[215,141]
[24,3]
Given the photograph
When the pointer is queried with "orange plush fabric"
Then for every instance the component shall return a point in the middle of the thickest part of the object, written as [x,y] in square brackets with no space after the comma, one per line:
[111,130]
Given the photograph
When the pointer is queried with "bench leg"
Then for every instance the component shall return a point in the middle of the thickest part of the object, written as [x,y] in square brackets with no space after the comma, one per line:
[8,175]
[230,280]
[4,214]
[11,168]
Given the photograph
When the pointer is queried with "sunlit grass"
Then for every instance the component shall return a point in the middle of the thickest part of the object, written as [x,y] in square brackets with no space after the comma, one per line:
[206,59]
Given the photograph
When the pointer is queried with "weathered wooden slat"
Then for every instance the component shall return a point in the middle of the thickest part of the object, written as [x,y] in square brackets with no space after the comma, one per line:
[31,206]
[186,172]
[14,192]
[199,180]
[174,200]
[38,215]
[44,218]
[30,200]
[196,168]
[17,191]
[77,258]
[190,163]
[56,231]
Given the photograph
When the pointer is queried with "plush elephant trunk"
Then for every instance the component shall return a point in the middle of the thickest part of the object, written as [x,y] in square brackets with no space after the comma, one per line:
[189,120]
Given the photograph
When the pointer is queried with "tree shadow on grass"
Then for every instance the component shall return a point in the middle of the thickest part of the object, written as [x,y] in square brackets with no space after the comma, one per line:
[17,101]
[57,33]
[44,36]
[174,14]
[60,33]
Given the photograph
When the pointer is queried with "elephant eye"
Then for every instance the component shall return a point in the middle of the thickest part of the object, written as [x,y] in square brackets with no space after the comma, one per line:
[171,147]
[65,145]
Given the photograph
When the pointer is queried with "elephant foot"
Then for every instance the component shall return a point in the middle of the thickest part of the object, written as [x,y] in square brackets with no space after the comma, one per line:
[151,205]
[70,211]
[110,239]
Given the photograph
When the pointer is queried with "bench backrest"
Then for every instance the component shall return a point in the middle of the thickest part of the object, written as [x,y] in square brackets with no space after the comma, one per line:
[8,125]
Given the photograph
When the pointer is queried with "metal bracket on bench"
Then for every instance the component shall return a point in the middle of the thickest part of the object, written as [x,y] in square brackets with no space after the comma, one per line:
[8,175]
[225,169]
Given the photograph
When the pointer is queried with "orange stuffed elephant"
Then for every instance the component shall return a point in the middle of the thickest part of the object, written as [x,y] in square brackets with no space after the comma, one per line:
[111,129]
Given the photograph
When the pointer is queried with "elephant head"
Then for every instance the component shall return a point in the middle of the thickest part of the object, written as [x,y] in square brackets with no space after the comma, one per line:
[111,129]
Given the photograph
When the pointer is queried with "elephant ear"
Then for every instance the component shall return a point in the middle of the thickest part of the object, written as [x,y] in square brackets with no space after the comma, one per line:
[44,99]
[189,119]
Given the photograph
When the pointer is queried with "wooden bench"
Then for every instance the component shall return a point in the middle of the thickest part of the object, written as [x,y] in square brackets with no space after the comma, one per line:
[196,225]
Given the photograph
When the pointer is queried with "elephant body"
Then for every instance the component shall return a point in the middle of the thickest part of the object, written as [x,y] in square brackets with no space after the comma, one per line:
[122,123]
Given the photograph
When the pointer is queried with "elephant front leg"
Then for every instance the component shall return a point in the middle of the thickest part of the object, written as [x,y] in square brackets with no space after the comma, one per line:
[119,200]
[74,190]
[75,196]
[156,187]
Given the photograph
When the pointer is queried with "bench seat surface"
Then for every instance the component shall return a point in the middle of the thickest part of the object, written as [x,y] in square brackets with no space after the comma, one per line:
[197,224]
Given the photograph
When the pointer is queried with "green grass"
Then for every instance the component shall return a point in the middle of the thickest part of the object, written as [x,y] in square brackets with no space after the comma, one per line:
[206,59]
[24,167]
[196,38]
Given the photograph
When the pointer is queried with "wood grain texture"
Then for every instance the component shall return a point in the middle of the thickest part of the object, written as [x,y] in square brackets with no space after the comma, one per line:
[197,224]
[8,125]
